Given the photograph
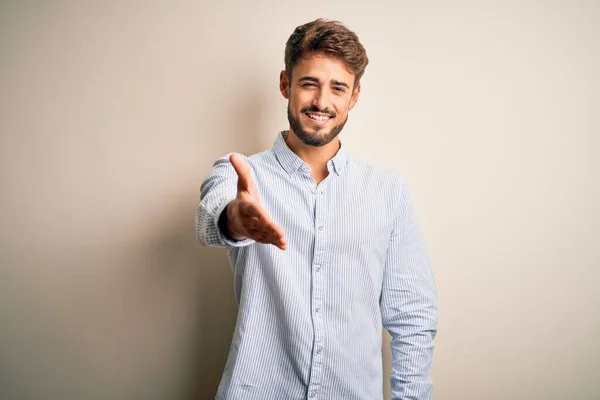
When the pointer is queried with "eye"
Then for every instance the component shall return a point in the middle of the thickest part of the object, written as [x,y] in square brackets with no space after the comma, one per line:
[339,89]
[308,84]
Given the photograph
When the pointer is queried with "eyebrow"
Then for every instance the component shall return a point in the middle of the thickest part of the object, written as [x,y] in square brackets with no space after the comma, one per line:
[333,81]
[338,83]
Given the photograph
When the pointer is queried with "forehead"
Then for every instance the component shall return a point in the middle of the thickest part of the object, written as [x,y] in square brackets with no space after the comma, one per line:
[323,68]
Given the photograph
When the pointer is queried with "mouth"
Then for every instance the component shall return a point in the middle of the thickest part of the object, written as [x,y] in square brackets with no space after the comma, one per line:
[318,118]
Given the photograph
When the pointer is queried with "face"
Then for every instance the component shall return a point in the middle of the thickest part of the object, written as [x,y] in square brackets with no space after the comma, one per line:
[319,95]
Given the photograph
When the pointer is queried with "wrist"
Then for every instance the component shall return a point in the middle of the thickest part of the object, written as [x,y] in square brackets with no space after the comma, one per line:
[232,227]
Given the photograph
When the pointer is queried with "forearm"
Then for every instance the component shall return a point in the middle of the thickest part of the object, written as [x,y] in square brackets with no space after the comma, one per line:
[412,349]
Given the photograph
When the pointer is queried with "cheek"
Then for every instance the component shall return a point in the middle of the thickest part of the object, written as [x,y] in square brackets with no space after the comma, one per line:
[303,100]
[295,104]
[341,116]
[341,109]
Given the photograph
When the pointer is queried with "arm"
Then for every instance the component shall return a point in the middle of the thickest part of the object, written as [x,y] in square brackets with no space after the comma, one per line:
[216,192]
[409,306]
[230,212]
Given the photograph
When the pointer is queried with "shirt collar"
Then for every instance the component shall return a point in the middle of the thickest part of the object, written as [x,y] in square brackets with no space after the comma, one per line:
[292,163]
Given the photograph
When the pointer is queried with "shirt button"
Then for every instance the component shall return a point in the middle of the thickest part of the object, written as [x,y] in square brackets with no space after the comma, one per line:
[314,191]
[321,227]
[318,269]
[317,309]
[319,350]
[313,393]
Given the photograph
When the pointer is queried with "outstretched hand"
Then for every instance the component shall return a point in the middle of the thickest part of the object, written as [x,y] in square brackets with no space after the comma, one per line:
[246,217]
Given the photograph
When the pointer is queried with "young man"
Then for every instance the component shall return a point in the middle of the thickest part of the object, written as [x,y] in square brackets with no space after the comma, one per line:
[325,249]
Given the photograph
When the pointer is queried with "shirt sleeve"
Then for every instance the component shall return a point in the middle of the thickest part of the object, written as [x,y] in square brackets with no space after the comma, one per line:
[216,192]
[409,306]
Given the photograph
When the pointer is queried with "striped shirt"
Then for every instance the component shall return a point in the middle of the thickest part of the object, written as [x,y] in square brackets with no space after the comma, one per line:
[310,318]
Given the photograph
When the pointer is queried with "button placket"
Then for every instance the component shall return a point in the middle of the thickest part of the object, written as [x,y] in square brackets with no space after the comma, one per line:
[318,287]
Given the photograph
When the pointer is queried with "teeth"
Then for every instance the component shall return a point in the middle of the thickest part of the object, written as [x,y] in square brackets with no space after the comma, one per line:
[318,117]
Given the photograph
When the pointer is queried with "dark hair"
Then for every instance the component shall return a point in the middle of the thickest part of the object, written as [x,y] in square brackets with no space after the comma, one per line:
[330,38]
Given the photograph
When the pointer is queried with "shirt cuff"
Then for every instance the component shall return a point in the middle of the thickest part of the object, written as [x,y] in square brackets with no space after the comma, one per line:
[224,238]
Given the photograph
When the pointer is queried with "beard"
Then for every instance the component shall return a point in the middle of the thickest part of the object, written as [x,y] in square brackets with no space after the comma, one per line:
[318,138]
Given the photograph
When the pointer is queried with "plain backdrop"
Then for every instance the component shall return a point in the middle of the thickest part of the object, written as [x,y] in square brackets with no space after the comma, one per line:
[112,112]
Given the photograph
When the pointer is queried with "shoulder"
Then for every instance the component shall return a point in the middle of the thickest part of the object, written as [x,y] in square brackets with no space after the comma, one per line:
[261,164]
[384,176]
[253,160]
[261,158]
[387,187]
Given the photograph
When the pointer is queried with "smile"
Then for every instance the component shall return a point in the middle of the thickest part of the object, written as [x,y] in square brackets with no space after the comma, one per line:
[318,117]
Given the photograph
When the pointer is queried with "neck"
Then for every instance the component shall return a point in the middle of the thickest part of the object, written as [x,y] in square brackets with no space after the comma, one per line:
[316,157]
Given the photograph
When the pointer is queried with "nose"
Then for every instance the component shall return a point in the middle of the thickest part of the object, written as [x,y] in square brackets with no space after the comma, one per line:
[321,99]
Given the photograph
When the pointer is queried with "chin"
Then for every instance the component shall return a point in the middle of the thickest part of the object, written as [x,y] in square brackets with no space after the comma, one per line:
[315,134]
[316,129]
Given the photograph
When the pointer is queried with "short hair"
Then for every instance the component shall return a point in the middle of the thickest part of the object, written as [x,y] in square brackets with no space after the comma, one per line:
[330,38]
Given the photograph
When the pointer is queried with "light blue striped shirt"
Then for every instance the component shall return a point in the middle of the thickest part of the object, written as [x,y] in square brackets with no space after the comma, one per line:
[310,318]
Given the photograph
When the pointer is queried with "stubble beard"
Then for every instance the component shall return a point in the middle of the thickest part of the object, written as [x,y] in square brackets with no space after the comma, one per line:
[316,139]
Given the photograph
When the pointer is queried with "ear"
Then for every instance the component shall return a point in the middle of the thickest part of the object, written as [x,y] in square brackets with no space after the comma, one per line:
[284,85]
[354,97]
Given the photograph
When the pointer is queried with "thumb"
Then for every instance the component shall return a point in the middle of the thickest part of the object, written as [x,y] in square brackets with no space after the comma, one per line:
[243,171]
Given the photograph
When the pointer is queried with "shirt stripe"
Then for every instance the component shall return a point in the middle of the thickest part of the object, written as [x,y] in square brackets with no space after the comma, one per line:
[310,318]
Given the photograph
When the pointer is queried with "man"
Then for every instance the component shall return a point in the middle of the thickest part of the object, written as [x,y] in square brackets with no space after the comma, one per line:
[325,249]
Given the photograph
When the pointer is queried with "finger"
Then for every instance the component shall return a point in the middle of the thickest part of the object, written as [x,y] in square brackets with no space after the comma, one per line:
[243,171]
[258,235]
[267,226]
[274,230]
[260,229]
[268,234]
[265,240]
[282,243]
[259,221]
[254,210]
